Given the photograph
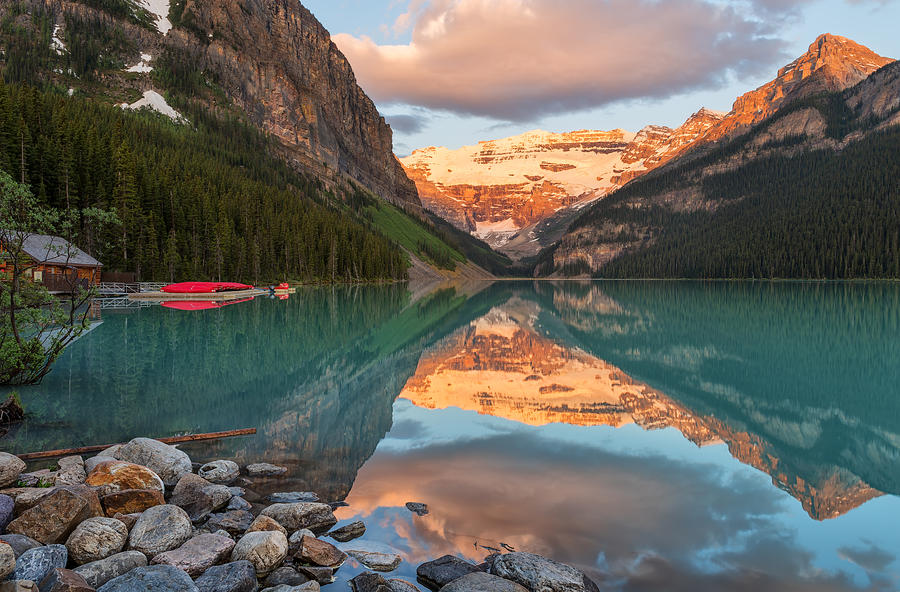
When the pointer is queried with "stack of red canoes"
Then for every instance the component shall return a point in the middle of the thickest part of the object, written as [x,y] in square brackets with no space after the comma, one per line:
[204,287]
[190,305]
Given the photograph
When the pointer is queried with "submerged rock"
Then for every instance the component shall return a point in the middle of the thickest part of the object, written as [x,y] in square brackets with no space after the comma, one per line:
[98,573]
[96,539]
[539,573]
[222,472]
[154,578]
[349,532]
[160,529]
[265,470]
[166,461]
[417,508]
[440,572]
[238,576]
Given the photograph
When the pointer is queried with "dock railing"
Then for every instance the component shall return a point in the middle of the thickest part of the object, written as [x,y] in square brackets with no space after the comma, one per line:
[123,288]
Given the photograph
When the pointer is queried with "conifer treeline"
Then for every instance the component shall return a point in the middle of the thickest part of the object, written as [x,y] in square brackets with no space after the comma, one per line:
[205,200]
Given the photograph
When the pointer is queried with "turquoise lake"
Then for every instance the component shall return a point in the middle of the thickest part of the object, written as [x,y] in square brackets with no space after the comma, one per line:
[658,435]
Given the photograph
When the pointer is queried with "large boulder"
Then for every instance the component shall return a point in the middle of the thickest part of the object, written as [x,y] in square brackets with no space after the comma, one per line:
[71,471]
[10,468]
[7,560]
[131,501]
[98,573]
[7,508]
[64,580]
[317,552]
[197,554]
[35,564]
[198,497]
[56,516]
[266,550]
[19,543]
[91,463]
[220,471]
[539,573]
[160,529]
[95,539]
[238,576]
[483,582]
[316,517]
[28,497]
[154,578]
[118,475]
[440,572]
[166,461]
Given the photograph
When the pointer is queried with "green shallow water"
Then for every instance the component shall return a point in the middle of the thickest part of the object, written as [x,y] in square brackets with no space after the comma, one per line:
[659,435]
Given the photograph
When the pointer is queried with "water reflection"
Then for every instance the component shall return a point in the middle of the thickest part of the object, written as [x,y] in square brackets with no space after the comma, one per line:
[634,429]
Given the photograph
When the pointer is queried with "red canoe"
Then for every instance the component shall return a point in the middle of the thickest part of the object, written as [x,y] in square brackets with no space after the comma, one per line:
[190,305]
[204,287]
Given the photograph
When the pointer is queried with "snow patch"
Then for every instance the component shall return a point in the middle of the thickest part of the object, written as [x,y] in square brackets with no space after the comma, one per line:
[143,66]
[155,101]
[55,42]
[159,8]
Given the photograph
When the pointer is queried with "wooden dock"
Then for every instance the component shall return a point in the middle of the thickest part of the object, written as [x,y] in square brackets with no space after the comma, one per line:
[212,297]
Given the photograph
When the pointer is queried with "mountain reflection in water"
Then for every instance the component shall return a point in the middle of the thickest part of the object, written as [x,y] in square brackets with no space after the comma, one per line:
[616,426]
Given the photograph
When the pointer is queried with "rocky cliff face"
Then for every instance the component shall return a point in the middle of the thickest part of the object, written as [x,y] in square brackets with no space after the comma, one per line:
[501,190]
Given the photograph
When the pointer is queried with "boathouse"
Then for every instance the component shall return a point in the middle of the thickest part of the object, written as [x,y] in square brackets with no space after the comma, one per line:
[56,263]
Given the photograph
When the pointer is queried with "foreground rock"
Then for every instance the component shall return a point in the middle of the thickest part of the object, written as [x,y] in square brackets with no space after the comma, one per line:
[349,532]
[155,578]
[369,582]
[402,586]
[7,560]
[131,501]
[316,517]
[96,539]
[118,475]
[56,516]
[10,468]
[239,576]
[539,573]
[266,550]
[234,522]
[222,472]
[292,497]
[98,573]
[264,523]
[7,506]
[198,554]
[287,576]
[160,529]
[317,552]
[166,461]
[64,580]
[198,497]
[483,582]
[19,543]
[440,572]
[35,564]
[71,471]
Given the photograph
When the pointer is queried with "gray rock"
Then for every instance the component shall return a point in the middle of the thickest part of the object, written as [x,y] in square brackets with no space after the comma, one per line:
[286,575]
[482,582]
[7,560]
[440,572]
[234,522]
[91,463]
[10,468]
[369,582]
[18,586]
[307,587]
[377,560]
[417,508]
[238,503]
[266,550]
[19,543]
[198,497]
[220,471]
[349,532]
[160,529]
[539,573]
[237,491]
[35,564]
[316,517]
[64,580]
[239,576]
[96,539]
[295,539]
[265,470]
[402,586]
[166,461]
[71,471]
[154,578]
[98,573]
[292,497]
[198,554]
[322,575]
[7,505]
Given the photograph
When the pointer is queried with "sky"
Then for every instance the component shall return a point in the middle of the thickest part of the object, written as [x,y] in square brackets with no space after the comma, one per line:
[454,72]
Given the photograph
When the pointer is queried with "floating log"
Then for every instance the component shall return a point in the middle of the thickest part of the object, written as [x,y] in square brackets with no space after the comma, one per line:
[170,440]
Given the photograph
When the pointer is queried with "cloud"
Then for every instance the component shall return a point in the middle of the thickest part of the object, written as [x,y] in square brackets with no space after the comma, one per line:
[407,124]
[517,59]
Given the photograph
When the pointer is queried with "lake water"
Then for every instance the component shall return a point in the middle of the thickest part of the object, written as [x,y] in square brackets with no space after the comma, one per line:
[658,435]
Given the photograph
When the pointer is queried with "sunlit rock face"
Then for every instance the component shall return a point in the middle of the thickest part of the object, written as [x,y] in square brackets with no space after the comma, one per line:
[500,365]
[500,188]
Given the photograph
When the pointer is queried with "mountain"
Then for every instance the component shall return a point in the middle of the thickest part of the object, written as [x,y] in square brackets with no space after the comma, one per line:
[521,193]
[505,191]
[798,181]
[231,137]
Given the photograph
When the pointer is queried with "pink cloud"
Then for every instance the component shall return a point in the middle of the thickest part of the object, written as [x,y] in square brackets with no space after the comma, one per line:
[514,59]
